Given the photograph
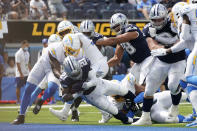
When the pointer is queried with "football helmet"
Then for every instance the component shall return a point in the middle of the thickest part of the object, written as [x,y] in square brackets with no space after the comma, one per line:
[72,67]
[158,16]
[87,28]
[118,21]
[54,38]
[71,44]
[193,1]
[176,12]
[64,27]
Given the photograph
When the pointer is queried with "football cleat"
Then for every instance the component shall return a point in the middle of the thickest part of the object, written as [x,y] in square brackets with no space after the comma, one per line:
[189,118]
[19,120]
[75,116]
[105,118]
[145,119]
[193,124]
[59,114]
[38,106]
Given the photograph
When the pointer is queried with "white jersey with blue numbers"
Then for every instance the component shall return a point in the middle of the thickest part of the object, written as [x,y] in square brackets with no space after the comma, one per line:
[191,11]
[137,49]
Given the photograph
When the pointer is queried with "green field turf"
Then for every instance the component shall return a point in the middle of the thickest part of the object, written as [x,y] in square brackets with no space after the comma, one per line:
[88,116]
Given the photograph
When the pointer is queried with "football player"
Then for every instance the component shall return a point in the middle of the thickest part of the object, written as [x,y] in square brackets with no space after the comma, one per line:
[79,79]
[159,32]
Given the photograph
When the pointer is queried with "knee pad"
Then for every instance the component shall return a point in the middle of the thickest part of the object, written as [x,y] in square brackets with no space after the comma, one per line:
[173,89]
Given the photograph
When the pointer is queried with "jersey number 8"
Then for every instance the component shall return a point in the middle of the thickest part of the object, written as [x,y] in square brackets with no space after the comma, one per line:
[129,48]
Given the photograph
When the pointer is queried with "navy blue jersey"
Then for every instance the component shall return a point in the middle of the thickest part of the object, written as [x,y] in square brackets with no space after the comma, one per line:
[96,36]
[170,58]
[68,82]
[137,49]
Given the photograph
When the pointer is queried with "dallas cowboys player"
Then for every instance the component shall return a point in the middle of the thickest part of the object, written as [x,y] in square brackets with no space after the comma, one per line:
[130,39]
[78,78]
[188,33]
[160,31]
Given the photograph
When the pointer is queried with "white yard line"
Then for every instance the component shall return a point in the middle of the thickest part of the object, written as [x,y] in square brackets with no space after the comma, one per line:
[44,106]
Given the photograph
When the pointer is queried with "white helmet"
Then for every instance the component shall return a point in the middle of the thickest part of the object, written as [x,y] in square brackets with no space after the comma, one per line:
[54,38]
[72,67]
[71,44]
[158,16]
[118,21]
[193,1]
[87,27]
[176,12]
[64,27]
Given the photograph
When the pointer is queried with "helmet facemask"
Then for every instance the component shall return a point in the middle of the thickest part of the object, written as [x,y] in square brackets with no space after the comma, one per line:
[65,32]
[159,23]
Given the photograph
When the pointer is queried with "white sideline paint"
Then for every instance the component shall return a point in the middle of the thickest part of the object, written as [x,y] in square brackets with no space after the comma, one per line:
[44,106]
[48,106]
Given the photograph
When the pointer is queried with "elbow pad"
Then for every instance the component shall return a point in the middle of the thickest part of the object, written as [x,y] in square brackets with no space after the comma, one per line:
[185,32]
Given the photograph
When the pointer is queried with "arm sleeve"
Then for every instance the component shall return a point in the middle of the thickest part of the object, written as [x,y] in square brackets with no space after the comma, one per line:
[179,46]
[168,41]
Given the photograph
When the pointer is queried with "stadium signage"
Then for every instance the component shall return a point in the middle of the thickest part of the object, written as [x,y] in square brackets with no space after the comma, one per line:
[34,31]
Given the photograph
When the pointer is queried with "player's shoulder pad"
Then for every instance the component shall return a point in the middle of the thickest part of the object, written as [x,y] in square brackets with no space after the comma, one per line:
[84,61]
[146,29]
[98,35]
[130,28]
[186,9]
[63,76]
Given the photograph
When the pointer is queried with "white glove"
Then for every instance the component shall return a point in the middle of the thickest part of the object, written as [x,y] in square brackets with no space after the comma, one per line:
[158,52]
[152,32]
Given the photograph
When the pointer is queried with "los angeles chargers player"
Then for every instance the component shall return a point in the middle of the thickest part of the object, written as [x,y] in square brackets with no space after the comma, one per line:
[43,85]
[172,66]
[78,78]
[56,53]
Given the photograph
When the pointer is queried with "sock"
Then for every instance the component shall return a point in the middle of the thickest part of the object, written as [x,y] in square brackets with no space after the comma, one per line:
[34,95]
[66,108]
[29,88]
[139,98]
[50,91]
[147,104]
[130,96]
[121,116]
[176,98]
[76,103]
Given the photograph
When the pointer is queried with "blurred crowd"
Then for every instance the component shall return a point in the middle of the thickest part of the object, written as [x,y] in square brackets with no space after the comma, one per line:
[77,9]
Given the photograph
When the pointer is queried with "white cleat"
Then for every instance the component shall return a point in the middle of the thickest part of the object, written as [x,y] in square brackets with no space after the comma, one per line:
[173,111]
[59,114]
[145,119]
[105,118]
